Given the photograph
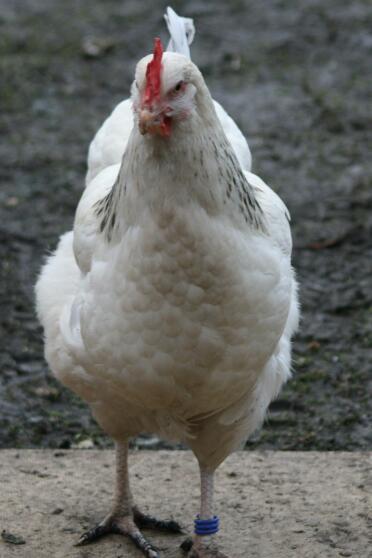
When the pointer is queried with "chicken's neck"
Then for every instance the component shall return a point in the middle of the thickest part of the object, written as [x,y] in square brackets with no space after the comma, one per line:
[196,166]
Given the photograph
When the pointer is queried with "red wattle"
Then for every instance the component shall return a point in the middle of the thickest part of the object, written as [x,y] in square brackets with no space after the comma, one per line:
[166,126]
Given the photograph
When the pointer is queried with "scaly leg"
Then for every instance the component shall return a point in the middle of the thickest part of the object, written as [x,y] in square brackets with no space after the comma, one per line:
[125,519]
[203,545]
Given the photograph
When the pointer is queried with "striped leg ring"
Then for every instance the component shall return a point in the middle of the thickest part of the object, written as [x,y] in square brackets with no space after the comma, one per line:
[206,526]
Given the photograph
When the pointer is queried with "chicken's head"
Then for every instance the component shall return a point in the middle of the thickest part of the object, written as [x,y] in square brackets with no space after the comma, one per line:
[162,92]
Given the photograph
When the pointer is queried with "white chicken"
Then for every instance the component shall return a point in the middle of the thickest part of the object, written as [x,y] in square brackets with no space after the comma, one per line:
[170,306]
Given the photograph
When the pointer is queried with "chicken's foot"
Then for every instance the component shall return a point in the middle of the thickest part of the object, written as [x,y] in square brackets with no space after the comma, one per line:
[125,518]
[120,526]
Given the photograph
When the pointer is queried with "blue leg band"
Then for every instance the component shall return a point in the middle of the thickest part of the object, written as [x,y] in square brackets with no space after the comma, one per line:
[206,526]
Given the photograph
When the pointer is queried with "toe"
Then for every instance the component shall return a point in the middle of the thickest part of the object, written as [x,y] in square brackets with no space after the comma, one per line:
[93,534]
[143,544]
[144,521]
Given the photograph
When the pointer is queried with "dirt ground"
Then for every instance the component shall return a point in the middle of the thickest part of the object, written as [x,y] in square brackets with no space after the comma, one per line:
[295,76]
[282,504]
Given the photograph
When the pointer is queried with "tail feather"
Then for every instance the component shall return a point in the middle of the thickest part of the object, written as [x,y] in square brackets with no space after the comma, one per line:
[181,30]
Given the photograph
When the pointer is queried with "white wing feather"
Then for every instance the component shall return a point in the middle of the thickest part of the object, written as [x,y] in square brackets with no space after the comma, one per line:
[86,222]
[110,141]
[276,213]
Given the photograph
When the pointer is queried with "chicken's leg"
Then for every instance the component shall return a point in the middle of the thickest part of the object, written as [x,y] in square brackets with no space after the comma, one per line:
[125,519]
[203,545]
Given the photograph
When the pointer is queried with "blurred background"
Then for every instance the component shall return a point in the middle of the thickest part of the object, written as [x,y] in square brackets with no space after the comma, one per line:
[295,77]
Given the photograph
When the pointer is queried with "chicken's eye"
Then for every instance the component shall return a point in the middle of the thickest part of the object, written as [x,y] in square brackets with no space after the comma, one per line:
[178,86]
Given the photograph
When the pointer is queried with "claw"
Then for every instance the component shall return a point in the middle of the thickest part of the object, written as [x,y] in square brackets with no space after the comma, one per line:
[186,545]
[143,544]
[93,534]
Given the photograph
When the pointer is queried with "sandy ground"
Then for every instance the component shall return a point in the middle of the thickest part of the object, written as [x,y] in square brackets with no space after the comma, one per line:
[282,504]
[295,77]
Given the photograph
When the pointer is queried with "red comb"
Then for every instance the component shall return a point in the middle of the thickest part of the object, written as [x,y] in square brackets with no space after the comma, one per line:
[152,91]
